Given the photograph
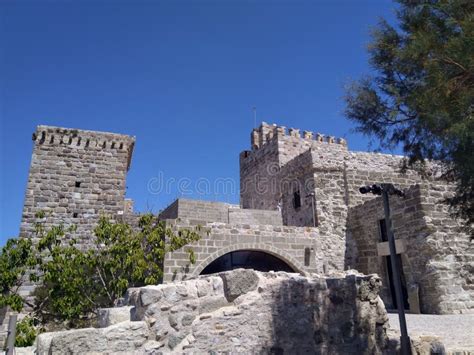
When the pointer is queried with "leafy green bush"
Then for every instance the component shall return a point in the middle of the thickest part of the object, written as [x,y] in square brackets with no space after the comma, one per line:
[75,283]
[16,258]
[26,332]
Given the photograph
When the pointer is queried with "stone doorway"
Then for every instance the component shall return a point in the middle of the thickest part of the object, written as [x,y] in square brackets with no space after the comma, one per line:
[247,259]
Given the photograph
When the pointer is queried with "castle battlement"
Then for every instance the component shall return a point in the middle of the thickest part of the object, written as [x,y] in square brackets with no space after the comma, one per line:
[266,133]
[84,139]
[76,138]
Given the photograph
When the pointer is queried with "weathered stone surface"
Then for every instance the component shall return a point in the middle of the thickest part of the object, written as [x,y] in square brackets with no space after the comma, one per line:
[270,313]
[121,337]
[420,345]
[210,211]
[239,282]
[29,350]
[437,258]
[454,331]
[111,316]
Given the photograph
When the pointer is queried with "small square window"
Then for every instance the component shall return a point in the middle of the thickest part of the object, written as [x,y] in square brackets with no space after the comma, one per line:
[74,215]
[78,184]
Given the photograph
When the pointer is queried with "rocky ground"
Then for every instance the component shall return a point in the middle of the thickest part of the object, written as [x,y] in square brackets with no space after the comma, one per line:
[245,312]
[240,311]
[455,331]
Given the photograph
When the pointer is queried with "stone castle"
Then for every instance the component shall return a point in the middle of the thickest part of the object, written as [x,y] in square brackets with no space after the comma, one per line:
[300,210]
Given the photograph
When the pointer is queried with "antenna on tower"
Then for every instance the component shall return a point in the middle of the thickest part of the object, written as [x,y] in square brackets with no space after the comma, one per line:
[254,109]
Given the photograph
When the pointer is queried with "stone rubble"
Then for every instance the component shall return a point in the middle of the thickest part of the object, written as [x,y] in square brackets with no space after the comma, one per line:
[239,311]
[245,312]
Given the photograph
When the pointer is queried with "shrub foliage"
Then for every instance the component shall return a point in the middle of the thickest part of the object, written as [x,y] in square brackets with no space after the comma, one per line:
[74,282]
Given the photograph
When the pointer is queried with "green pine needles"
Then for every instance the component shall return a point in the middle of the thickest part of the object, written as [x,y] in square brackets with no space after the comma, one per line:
[421,95]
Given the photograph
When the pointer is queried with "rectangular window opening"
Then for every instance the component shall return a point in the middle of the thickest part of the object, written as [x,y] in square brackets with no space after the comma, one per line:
[78,184]
[296,200]
[383,230]
[307,256]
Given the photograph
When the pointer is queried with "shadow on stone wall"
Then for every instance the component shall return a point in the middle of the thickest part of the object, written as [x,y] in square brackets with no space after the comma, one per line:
[333,316]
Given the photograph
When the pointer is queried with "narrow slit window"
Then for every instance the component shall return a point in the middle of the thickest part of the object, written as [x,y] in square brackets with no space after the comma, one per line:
[307,256]
[74,215]
[383,230]
[296,199]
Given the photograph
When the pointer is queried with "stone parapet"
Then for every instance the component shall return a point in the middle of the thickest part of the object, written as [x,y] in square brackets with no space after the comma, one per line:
[210,211]
[266,133]
[84,139]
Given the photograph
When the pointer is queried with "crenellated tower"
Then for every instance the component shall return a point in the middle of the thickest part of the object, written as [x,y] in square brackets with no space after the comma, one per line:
[75,176]
[272,148]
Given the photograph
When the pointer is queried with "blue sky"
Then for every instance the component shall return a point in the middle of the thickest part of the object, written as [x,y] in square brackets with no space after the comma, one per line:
[181,76]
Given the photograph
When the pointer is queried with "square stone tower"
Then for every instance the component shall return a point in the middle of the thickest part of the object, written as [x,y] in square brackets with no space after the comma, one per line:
[75,176]
[279,170]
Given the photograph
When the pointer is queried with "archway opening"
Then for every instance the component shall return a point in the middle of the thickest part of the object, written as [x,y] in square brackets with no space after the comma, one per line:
[247,259]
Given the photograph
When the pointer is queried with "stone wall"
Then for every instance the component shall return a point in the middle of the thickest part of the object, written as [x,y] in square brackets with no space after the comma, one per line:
[437,257]
[326,177]
[282,161]
[239,215]
[210,211]
[258,183]
[451,268]
[273,147]
[290,244]
[297,177]
[75,176]
[197,210]
[240,311]
[286,162]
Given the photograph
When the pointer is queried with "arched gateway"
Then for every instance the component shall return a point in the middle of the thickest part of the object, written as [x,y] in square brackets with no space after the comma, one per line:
[260,257]
[247,259]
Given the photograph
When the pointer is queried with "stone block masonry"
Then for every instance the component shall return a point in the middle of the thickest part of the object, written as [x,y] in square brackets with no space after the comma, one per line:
[303,249]
[272,148]
[75,176]
[315,180]
[437,258]
[241,312]
[210,211]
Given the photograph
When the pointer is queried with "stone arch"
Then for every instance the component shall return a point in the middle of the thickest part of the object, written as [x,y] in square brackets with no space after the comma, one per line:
[282,255]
